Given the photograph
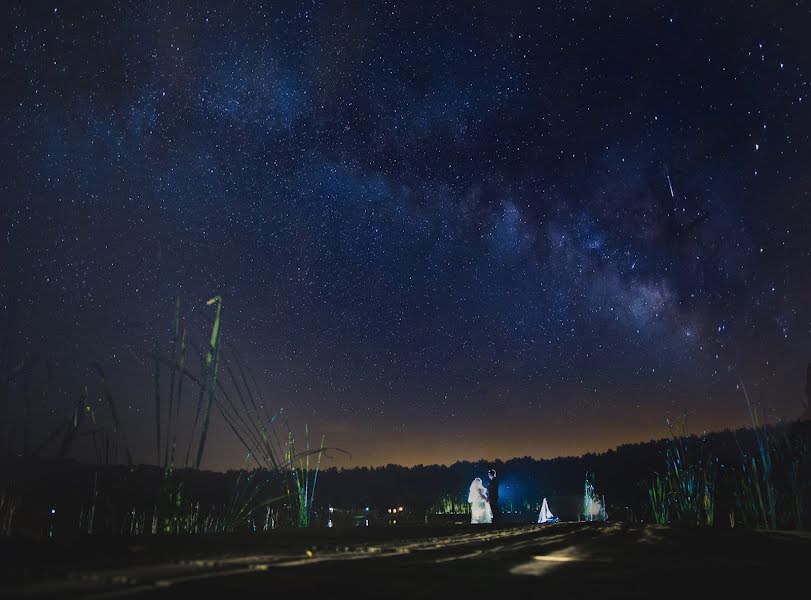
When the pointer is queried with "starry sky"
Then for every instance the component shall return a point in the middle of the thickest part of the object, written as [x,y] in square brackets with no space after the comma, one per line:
[441,231]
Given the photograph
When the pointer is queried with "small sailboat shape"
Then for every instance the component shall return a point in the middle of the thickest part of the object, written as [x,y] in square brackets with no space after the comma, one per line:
[546,516]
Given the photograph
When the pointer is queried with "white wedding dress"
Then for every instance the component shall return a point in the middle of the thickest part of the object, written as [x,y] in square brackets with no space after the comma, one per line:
[480,511]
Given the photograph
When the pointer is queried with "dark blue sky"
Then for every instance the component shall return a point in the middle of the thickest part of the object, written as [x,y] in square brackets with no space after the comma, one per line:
[441,231]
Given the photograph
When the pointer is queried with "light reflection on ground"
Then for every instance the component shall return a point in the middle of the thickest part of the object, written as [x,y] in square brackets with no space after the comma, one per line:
[544,563]
[552,556]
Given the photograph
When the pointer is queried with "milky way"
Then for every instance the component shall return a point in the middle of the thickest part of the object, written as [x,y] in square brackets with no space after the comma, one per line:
[440,232]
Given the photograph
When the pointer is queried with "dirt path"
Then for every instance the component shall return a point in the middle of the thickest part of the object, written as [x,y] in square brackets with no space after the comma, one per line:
[572,558]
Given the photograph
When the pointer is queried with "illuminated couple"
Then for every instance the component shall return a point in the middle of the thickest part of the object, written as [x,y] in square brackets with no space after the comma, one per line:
[484,500]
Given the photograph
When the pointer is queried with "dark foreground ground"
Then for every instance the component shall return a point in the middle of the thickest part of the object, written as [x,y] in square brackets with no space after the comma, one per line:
[571,560]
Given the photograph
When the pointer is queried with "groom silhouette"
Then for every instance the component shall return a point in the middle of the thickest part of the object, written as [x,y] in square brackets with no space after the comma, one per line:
[492,494]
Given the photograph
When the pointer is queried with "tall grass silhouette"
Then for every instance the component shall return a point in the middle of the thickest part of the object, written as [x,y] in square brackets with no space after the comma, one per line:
[766,487]
[276,486]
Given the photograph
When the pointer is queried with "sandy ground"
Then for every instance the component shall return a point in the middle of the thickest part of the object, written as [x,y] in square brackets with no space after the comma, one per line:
[570,559]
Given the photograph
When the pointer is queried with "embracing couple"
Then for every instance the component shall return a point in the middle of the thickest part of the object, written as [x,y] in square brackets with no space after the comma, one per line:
[484,500]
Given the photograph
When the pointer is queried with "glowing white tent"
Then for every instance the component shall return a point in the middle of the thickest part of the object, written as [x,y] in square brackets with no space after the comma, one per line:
[546,516]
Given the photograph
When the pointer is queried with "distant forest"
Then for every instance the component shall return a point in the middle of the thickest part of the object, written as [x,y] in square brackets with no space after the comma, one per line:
[622,476]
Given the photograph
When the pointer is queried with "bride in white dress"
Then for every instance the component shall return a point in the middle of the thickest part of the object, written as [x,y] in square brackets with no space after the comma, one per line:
[480,511]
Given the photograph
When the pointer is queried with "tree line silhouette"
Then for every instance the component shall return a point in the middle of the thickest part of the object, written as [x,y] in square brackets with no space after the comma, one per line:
[69,496]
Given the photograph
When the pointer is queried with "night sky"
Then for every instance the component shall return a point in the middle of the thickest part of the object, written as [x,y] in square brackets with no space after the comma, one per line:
[440,231]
